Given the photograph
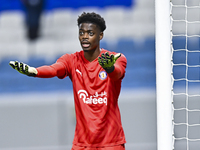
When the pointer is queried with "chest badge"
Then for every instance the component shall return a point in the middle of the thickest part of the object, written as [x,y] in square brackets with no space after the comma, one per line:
[103,75]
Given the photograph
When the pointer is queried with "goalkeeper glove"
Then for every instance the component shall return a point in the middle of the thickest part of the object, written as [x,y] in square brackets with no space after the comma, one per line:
[107,61]
[23,68]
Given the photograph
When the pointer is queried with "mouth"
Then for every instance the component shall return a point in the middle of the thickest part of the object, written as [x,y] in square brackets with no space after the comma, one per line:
[85,44]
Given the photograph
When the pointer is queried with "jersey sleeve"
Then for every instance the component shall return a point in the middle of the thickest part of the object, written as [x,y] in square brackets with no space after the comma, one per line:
[59,69]
[120,66]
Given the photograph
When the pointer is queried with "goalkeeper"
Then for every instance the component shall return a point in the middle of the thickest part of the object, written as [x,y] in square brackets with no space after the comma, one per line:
[96,75]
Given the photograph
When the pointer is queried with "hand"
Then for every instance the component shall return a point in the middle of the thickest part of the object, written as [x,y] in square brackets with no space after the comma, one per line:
[23,68]
[107,61]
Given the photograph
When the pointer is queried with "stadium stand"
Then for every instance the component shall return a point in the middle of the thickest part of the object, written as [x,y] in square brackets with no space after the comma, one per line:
[59,36]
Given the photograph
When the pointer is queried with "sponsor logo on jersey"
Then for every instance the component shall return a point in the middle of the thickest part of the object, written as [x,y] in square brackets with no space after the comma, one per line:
[102,75]
[97,98]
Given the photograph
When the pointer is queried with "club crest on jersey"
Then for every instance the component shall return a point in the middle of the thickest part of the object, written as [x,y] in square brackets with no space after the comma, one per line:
[102,75]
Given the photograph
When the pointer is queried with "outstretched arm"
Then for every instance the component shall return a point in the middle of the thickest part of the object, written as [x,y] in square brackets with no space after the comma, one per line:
[113,65]
[57,69]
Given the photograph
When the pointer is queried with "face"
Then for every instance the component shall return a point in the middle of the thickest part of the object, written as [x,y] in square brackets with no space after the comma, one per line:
[89,36]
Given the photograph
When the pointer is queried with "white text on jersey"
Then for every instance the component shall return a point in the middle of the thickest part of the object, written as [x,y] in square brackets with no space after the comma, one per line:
[93,99]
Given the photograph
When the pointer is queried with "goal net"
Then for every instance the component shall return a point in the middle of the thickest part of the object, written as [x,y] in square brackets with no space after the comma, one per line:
[178,74]
[185,38]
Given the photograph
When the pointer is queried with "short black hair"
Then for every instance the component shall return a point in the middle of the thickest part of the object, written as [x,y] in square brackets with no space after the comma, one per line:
[92,18]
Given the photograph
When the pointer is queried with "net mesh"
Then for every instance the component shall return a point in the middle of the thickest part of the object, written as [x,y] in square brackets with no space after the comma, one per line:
[185,37]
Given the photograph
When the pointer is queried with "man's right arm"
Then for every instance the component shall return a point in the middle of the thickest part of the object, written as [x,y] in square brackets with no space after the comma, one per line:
[57,69]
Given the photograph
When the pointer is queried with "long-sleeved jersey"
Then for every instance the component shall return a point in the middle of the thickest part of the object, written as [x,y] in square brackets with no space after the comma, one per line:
[96,92]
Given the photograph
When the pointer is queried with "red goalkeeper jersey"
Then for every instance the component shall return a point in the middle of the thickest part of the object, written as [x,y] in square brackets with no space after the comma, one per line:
[98,120]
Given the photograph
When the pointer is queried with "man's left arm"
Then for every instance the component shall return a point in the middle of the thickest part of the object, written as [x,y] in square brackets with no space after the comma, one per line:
[114,65]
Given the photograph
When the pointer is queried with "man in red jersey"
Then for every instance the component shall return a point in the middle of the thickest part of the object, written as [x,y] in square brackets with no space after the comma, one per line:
[96,75]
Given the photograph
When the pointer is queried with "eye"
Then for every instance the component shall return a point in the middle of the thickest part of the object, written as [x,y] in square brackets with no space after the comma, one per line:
[81,32]
[91,33]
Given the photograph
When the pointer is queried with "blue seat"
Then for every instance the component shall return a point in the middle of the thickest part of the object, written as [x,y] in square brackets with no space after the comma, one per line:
[193,58]
[125,45]
[193,43]
[179,71]
[150,43]
[141,77]
[179,57]
[193,73]
[179,42]
[36,61]
[4,65]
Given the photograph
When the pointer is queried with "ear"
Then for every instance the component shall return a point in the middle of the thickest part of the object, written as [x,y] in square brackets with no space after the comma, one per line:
[101,35]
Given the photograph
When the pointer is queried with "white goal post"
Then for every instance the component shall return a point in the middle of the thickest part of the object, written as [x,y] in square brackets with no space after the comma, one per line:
[163,75]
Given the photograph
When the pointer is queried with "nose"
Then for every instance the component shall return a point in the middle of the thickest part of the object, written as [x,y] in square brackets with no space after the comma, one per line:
[85,35]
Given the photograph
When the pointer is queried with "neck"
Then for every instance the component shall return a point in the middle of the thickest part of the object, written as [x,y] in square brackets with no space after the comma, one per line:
[91,55]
